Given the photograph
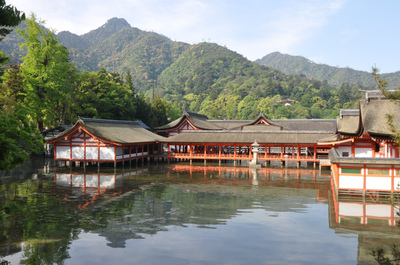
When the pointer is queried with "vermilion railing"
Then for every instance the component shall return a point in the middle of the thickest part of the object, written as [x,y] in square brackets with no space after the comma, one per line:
[261,157]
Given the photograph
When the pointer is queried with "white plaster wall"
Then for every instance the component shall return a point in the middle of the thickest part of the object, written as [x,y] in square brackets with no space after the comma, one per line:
[77,152]
[378,210]
[92,181]
[63,179]
[342,149]
[63,152]
[363,152]
[106,153]
[378,183]
[351,209]
[351,182]
[396,184]
[92,152]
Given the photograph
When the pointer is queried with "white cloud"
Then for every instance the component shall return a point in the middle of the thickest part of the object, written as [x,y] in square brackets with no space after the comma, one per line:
[250,28]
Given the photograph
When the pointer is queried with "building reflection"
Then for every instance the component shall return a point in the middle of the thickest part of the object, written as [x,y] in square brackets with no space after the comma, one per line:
[374,219]
[296,178]
[84,189]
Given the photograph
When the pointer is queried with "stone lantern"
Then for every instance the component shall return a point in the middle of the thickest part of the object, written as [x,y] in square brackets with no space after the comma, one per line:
[255,150]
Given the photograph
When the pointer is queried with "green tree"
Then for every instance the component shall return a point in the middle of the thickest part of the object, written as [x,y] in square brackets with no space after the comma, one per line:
[129,82]
[9,17]
[158,113]
[100,95]
[49,77]
[18,139]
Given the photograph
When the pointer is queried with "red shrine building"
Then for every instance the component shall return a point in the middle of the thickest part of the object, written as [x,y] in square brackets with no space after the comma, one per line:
[358,145]
[104,141]
[367,157]
[194,137]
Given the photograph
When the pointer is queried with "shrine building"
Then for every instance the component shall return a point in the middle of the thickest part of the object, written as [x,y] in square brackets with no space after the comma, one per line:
[105,141]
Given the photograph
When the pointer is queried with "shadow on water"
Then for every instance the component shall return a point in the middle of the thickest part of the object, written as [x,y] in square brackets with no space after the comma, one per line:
[50,215]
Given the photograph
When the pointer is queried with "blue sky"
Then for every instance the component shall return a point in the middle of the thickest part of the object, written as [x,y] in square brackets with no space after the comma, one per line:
[345,33]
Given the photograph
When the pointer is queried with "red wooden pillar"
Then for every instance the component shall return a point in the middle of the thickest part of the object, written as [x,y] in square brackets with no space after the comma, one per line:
[365,176]
[315,153]
[250,152]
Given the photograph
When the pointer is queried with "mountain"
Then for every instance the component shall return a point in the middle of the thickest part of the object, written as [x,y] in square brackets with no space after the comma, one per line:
[205,77]
[116,47]
[335,76]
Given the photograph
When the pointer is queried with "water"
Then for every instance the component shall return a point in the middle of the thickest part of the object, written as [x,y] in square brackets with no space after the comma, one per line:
[181,214]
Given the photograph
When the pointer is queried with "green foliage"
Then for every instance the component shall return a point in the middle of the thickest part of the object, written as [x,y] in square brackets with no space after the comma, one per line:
[158,113]
[335,76]
[215,81]
[48,76]
[9,17]
[18,139]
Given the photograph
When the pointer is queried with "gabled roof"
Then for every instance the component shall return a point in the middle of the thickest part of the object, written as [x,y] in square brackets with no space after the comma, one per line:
[116,131]
[262,123]
[374,116]
[199,121]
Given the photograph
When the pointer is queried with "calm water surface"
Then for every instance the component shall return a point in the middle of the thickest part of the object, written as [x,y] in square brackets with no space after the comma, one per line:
[181,214]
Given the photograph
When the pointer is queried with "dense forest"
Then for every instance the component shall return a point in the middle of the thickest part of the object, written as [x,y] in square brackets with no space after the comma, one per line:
[336,76]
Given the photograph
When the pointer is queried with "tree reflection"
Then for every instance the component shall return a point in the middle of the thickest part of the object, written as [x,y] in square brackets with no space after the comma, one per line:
[42,217]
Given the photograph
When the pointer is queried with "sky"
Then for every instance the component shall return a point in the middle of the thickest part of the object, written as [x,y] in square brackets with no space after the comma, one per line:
[359,34]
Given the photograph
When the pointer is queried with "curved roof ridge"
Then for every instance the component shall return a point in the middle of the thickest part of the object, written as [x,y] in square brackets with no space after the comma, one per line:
[85,120]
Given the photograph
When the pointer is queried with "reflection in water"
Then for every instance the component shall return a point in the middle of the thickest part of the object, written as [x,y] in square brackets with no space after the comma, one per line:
[181,214]
[373,219]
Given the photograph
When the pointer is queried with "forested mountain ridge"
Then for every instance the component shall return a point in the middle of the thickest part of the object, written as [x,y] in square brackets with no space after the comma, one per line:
[335,76]
[204,77]
[116,47]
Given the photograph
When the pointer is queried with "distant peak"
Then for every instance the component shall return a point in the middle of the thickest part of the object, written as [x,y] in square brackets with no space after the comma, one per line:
[117,22]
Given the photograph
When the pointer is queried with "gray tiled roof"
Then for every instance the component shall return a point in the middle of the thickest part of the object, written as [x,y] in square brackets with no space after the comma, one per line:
[271,137]
[374,116]
[202,122]
[123,132]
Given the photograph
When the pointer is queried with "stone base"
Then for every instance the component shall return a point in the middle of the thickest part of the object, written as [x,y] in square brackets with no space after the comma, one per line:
[254,164]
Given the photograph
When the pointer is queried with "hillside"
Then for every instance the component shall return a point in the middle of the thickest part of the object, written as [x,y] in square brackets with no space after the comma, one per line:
[335,76]
[204,77]
[116,47]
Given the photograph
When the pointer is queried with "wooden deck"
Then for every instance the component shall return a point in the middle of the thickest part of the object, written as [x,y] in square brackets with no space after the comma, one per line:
[239,157]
